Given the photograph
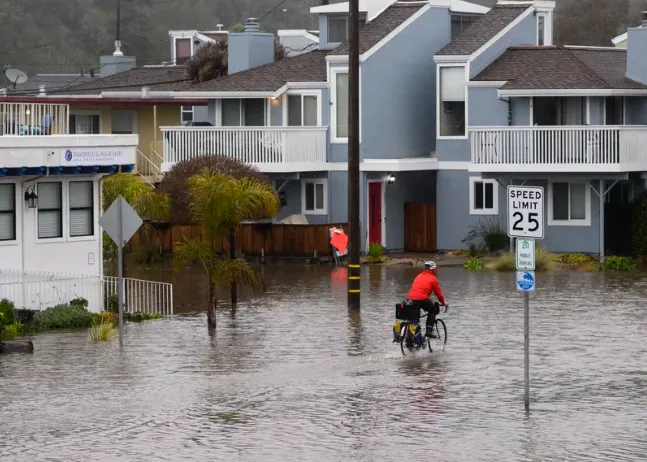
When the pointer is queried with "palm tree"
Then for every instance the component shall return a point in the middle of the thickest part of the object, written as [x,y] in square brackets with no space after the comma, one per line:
[217,201]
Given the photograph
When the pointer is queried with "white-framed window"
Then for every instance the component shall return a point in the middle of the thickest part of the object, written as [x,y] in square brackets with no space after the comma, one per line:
[337,29]
[186,114]
[314,196]
[569,204]
[302,109]
[81,205]
[484,196]
[249,112]
[7,212]
[339,99]
[541,30]
[451,102]
[85,123]
[183,50]
[50,210]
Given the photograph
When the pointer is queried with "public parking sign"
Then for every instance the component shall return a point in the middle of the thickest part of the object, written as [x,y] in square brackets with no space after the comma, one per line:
[525,254]
[526,211]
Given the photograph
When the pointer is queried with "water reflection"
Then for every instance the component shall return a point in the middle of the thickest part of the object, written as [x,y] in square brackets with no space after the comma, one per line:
[291,374]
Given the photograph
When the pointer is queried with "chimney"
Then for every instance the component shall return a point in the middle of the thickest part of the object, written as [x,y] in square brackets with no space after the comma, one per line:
[113,64]
[636,52]
[251,48]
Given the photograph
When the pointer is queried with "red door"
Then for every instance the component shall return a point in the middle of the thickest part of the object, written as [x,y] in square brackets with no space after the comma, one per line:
[375,212]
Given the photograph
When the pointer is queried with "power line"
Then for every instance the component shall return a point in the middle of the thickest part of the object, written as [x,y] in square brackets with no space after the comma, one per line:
[273,10]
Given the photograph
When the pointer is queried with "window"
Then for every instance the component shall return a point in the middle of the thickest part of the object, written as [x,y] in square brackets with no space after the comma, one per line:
[541,30]
[182,50]
[569,204]
[314,196]
[84,124]
[186,114]
[337,29]
[451,109]
[341,106]
[50,210]
[302,111]
[243,112]
[614,109]
[7,212]
[81,208]
[484,197]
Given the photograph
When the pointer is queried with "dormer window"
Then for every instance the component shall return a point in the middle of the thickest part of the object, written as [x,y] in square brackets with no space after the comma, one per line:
[541,30]
[337,29]
[544,28]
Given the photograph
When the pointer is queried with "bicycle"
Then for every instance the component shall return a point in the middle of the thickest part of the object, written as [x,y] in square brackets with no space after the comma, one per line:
[408,341]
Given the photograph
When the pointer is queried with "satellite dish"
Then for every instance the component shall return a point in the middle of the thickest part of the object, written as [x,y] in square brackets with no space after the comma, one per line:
[15,76]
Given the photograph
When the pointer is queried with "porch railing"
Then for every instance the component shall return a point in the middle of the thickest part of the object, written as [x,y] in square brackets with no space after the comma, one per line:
[34,119]
[254,145]
[39,290]
[564,145]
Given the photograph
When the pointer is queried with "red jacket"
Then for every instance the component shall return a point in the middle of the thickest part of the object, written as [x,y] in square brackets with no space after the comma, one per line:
[424,285]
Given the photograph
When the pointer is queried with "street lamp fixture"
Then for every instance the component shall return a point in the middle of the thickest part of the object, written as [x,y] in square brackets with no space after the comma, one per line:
[31,198]
[390,179]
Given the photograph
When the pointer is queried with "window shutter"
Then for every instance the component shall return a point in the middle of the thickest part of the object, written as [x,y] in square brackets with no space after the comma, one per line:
[50,219]
[342,105]
[452,83]
[7,212]
[81,207]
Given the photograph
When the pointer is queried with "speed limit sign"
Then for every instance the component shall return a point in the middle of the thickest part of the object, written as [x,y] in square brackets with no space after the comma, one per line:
[526,211]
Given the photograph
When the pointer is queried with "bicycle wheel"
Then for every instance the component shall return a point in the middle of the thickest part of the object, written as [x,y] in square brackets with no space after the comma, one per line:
[440,329]
[405,340]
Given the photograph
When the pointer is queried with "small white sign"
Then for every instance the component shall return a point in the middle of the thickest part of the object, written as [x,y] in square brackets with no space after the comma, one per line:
[91,258]
[526,281]
[526,254]
[526,211]
[93,156]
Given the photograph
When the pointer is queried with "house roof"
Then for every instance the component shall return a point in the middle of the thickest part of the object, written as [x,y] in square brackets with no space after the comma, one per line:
[370,34]
[306,67]
[457,6]
[157,78]
[483,29]
[560,68]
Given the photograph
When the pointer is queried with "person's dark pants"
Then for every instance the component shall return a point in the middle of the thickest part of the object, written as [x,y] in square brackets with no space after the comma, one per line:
[431,308]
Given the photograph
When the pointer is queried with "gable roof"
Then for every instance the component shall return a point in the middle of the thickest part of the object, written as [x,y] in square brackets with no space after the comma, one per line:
[306,67]
[157,78]
[483,29]
[560,68]
[371,33]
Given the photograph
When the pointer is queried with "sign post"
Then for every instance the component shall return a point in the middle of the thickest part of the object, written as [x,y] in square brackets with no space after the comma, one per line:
[526,223]
[120,222]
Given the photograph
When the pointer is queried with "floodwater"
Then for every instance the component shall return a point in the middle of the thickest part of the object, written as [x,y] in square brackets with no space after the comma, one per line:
[292,376]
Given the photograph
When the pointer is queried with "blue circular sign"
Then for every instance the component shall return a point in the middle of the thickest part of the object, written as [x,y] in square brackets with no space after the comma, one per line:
[68,155]
[526,281]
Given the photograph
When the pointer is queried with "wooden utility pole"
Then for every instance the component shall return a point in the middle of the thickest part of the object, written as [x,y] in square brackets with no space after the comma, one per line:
[353,158]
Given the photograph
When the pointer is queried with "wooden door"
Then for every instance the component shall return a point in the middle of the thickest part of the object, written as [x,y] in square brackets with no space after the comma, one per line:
[420,227]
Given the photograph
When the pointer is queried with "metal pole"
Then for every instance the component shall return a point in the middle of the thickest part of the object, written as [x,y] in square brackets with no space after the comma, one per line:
[353,159]
[120,271]
[118,34]
[601,219]
[526,339]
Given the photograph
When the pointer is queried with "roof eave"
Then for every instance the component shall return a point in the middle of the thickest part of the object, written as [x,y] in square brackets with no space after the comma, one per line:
[571,92]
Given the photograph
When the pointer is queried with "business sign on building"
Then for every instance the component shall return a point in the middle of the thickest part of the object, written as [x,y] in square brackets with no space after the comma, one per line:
[94,156]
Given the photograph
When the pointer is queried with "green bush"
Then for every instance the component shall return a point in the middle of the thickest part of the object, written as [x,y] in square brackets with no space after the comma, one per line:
[12,330]
[508,261]
[140,317]
[487,233]
[473,264]
[103,331]
[574,258]
[7,315]
[375,253]
[82,302]
[112,303]
[63,317]
[615,263]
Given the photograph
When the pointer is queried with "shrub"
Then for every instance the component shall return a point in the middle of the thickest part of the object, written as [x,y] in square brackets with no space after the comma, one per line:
[103,331]
[111,303]
[473,264]
[7,315]
[615,263]
[508,261]
[544,260]
[573,259]
[82,302]
[106,316]
[375,253]
[476,250]
[487,233]
[140,317]
[63,317]
[11,330]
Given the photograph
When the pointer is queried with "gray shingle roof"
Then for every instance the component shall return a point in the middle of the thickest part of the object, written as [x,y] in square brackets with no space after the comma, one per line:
[483,29]
[371,33]
[560,68]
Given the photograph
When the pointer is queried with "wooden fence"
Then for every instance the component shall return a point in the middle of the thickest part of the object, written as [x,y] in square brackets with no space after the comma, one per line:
[274,239]
[420,227]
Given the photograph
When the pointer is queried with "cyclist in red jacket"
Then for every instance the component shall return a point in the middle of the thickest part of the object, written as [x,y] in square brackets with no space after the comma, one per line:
[424,285]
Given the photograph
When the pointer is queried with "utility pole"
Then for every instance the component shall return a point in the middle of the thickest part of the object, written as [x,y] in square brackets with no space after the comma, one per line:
[353,158]
[118,34]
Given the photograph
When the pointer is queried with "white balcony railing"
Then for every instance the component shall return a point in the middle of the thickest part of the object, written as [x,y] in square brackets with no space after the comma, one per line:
[262,146]
[34,119]
[39,290]
[559,148]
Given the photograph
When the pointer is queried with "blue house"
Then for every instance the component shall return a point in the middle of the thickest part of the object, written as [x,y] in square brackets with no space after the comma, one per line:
[289,118]
[514,109]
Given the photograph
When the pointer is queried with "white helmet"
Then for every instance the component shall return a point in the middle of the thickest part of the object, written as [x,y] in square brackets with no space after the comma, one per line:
[430,265]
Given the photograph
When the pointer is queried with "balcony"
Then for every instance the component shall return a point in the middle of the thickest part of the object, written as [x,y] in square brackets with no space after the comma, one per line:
[37,136]
[568,149]
[270,149]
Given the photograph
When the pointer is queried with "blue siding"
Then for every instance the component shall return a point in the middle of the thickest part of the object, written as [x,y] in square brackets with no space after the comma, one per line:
[338,196]
[247,50]
[520,111]
[524,33]
[485,108]
[636,52]
[398,108]
[453,150]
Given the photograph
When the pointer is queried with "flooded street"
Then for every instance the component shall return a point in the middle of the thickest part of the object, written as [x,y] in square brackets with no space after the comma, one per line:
[292,376]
